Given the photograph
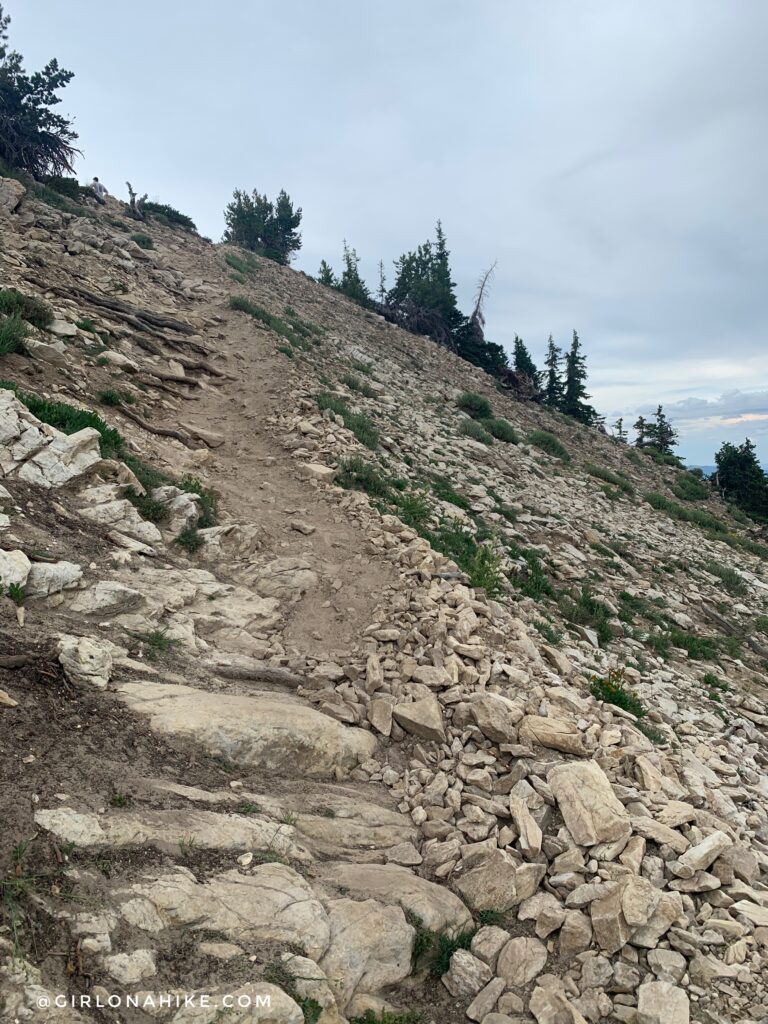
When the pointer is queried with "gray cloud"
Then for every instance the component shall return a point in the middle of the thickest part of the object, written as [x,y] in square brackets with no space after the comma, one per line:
[611,156]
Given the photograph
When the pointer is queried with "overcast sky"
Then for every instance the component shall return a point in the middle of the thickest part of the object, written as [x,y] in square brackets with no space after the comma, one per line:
[610,154]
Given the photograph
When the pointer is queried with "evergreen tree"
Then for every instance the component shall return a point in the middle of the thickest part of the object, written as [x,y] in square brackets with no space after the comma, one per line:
[641,428]
[32,137]
[524,364]
[423,292]
[255,223]
[741,479]
[381,291]
[619,432]
[326,276]
[351,283]
[575,395]
[553,387]
[664,435]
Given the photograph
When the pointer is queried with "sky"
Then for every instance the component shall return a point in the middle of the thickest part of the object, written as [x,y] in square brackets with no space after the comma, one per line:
[610,155]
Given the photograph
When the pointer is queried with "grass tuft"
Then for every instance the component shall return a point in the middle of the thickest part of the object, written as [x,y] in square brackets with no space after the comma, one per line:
[549,443]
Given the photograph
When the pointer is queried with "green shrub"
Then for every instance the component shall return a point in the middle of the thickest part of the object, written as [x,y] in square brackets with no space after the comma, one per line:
[356,474]
[149,509]
[13,331]
[633,457]
[143,240]
[294,330]
[662,458]
[34,311]
[69,420]
[501,429]
[443,489]
[761,624]
[533,581]
[613,691]
[115,398]
[602,473]
[686,515]
[445,948]
[413,509]
[549,633]
[86,325]
[69,187]
[355,384]
[689,487]
[190,539]
[169,216]
[209,514]
[587,610]
[479,561]
[731,580]
[549,443]
[475,405]
[473,429]
[360,425]
[244,263]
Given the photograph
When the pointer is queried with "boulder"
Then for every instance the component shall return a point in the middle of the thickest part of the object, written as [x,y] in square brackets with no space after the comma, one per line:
[370,947]
[46,578]
[437,907]
[11,194]
[586,800]
[15,567]
[520,961]
[554,733]
[85,660]
[466,975]
[422,718]
[491,883]
[496,717]
[67,457]
[661,1002]
[271,732]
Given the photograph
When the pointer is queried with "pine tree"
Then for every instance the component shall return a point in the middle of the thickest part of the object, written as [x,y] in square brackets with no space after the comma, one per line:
[381,291]
[619,432]
[523,362]
[553,386]
[664,435]
[575,395]
[641,427]
[32,137]
[423,294]
[351,283]
[326,276]
[740,478]
[255,223]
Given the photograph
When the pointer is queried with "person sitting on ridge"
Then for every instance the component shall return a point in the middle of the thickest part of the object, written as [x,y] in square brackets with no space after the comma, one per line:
[98,189]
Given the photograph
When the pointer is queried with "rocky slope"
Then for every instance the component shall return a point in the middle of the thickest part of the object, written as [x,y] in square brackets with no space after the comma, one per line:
[315,707]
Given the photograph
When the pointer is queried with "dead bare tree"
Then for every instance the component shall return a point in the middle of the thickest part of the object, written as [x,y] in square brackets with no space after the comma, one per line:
[136,204]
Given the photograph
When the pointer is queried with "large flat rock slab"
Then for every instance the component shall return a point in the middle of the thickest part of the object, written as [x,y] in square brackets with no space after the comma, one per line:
[275,733]
[271,903]
[436,906]
[169,830]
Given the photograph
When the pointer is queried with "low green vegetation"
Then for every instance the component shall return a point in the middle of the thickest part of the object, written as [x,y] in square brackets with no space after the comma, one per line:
[34,311]
[698,517]
[501,429]
[587,610]
[389,1017]
[474,405]
[143,240]
[689,487]
[297,332]
[356,474]
[360,386]
[276,973]
[149,509]
[70,419]
[475,430]
[548,443]
[190,539]
[244,263]
[115,398]
[613,691]
[167,215]
[730,579]
[13,331]
[357,422]
[549,632]
[616,479]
